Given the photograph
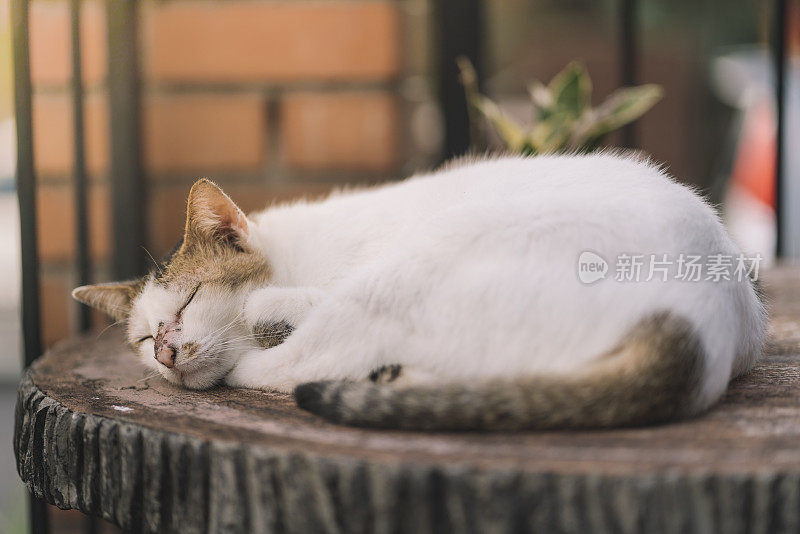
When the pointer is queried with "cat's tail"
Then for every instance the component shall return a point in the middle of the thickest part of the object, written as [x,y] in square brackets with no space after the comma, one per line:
[655,374]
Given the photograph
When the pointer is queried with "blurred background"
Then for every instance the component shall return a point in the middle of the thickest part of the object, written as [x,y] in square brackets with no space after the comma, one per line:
[277,99]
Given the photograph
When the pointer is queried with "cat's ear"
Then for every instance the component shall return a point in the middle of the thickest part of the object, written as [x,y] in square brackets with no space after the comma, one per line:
[211,214]
[113,298]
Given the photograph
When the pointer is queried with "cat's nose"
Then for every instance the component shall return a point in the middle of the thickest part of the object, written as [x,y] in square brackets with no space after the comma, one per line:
[165,354]
[167,339]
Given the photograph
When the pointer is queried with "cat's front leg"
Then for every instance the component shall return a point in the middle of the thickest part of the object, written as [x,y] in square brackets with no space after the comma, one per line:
[304,357]
[335,341]
[272,313]
[272,368]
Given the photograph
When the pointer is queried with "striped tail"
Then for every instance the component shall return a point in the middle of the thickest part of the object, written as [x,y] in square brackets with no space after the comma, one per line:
[655,374]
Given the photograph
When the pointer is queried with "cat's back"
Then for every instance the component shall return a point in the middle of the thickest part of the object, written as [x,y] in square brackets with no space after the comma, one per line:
[576,199]
[549,182]
[603,177]
[591,193]
[599,181]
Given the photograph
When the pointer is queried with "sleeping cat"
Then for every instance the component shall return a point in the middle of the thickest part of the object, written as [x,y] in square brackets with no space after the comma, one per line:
[453,300]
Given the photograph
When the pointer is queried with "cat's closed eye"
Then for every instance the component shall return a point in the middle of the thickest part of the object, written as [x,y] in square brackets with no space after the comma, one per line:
[189,300]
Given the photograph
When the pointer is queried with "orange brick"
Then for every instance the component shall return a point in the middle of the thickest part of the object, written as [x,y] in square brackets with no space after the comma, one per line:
[53,134]
[340,131]
[54,310]
[181,132]
[255,41]
[50,43]
[204,132]
[57,309]
[167,206]
[55,217]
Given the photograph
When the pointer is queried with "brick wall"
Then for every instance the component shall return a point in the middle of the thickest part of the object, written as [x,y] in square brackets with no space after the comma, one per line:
[273,99]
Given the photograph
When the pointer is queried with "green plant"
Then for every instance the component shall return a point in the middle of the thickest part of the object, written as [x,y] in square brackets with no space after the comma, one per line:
[563,117]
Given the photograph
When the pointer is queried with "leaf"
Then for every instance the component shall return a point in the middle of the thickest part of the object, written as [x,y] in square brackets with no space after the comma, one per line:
[469,79]
[571,89]
[553,134]
[542,99]
[468,76]
[622,107]
[512,134]
[590,145]
[527,149]
[563,118]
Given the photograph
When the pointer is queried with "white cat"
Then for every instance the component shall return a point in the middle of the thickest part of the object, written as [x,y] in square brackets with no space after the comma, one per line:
[452,300]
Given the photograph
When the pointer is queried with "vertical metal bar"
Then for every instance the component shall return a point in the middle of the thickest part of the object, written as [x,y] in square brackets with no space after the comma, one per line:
[79,176]
[629,58]
[26,192]
[126,173]
[779,55]
[460,31]
[26,183]
[82,227]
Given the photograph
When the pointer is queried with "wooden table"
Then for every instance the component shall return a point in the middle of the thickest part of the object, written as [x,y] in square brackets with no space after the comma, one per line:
[92,433]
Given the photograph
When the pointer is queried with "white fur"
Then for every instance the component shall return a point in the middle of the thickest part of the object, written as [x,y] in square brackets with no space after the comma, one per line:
[471,273]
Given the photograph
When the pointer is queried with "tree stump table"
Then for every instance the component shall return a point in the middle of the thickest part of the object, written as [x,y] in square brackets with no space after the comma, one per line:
[92,433]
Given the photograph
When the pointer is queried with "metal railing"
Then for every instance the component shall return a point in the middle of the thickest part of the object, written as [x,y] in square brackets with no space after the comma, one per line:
[26,192]
[780,17]
[126,184]
[459,26]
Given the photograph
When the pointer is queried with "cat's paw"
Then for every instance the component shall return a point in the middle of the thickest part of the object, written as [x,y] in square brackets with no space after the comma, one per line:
[385,374]
[272,313]
[270,334]
[269,369]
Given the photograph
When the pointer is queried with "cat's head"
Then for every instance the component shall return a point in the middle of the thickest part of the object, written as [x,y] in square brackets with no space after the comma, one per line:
[185,319]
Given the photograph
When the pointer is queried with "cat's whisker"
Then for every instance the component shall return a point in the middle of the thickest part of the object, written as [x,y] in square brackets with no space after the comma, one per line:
[221,344]
[113,308]
[224,328]
[234,342]
[104,330]
[216,341]
[149,376]
[252,336]
[158,267]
